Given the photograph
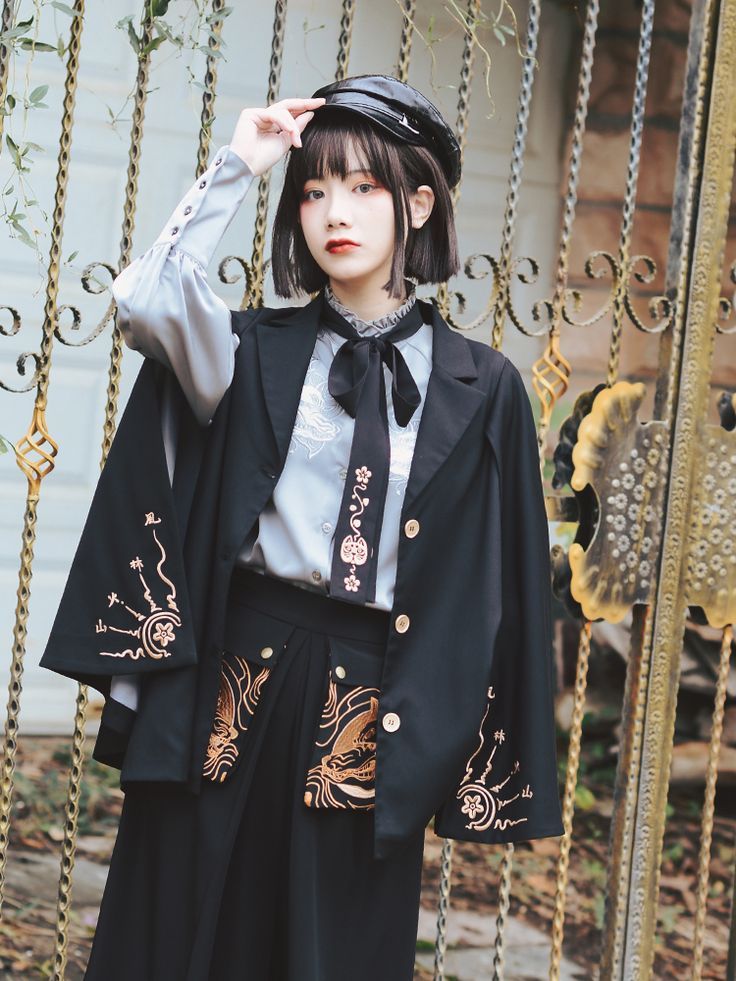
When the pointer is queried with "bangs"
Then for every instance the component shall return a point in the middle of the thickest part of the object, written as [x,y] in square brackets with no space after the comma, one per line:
[327,145]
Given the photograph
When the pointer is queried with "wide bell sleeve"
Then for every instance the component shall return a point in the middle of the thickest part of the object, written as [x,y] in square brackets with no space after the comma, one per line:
[167,311]
[508,788]
[166,308]
[125,608]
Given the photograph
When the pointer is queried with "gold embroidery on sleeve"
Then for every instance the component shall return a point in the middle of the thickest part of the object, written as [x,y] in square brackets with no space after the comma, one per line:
[481,803]
[156,630]
[344,763]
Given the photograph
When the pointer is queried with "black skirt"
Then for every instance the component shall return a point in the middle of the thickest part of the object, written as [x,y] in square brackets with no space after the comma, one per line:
[268,874]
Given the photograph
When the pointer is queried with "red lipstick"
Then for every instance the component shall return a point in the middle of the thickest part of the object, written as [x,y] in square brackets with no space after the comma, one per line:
[337,245]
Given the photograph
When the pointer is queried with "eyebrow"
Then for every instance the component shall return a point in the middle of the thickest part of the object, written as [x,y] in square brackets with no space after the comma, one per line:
[358,170]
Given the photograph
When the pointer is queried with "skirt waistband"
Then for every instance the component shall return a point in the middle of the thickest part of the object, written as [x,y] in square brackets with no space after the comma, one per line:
[306,608]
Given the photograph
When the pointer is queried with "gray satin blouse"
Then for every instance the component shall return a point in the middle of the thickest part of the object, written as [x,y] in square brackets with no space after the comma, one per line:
[167,311]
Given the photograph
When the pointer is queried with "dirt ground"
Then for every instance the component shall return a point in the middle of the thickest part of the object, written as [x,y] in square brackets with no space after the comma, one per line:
[27,927]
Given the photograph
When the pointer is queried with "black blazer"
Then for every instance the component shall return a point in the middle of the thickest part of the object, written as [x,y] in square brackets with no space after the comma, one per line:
[470,679]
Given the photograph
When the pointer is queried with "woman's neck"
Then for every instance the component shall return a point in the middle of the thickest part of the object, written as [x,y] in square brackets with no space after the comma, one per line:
[368,305]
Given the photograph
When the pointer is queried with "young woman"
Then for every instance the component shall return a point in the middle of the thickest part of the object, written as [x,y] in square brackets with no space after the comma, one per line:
[314,582]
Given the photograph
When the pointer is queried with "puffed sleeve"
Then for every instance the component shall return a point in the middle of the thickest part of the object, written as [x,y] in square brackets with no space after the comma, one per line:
[166,307]
[508,789]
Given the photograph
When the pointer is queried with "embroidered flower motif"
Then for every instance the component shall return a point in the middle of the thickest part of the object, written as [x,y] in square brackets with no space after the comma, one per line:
[363,475]
[351,583]
[472,806]
[163,634]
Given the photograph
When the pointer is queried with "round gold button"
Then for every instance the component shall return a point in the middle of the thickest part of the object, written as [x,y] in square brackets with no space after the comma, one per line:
[411,528]
[340,671]
[266,652]
[391,722]
[402,623]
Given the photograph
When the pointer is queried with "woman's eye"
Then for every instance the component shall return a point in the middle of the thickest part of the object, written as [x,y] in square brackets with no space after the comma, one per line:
[366,184]
[313,190]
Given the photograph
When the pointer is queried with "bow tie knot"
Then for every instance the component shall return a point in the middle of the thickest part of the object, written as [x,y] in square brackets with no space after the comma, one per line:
[351,369]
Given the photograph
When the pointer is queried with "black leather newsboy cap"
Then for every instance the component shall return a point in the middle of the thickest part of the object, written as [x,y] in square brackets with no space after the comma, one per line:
[400,110]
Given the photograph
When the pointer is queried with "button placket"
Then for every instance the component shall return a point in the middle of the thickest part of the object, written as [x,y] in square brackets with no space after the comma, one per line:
[391,721]
[411,528]
[401,623]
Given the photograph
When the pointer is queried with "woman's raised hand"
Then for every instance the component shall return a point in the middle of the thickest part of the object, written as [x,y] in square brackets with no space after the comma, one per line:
[263,136]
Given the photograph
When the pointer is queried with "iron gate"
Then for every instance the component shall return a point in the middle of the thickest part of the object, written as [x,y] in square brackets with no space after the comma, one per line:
[651,499]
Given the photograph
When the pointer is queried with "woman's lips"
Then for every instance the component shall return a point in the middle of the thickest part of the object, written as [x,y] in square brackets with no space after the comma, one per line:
[341,247]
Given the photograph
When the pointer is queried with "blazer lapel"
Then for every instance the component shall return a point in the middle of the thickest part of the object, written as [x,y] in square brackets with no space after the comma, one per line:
[451,403]
[285,345]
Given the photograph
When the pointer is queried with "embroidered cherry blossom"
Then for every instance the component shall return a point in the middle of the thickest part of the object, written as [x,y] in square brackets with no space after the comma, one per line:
[363,474]
[351,583]
[163,634]
[472,806]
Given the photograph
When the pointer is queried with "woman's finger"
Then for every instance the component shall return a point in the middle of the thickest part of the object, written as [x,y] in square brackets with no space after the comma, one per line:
[280,120]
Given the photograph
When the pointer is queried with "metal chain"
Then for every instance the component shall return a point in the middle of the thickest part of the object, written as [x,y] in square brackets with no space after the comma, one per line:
[407,34]
[553,364]
[711,775]
[504,903]
[632,176]
[461,126]
[264,183]
[7,19]
[443,908]
[345,39]
[209,93]
[37,449]
[517,166]
[568,806]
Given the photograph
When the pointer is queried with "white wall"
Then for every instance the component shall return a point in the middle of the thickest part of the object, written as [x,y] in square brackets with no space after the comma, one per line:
[94,217]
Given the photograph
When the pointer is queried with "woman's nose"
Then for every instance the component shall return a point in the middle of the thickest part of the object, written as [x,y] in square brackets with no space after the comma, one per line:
[338,212]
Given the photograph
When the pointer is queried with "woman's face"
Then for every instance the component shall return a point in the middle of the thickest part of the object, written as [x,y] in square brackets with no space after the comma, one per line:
[357,211]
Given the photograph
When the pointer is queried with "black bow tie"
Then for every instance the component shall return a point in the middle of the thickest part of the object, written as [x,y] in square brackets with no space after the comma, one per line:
[356,381]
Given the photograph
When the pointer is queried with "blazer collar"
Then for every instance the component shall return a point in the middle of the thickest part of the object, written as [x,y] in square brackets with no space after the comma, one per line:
[450,405]
[286,341]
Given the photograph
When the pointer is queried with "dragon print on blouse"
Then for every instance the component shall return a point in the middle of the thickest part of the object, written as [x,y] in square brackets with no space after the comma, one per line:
[154,631]
[343,768]
[241,685]
[481,800]
[318,419]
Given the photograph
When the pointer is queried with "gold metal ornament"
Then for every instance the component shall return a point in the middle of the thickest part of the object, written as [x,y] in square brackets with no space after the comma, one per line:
[621,458]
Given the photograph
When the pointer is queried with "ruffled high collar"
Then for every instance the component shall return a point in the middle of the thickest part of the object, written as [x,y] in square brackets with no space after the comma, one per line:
[380,324]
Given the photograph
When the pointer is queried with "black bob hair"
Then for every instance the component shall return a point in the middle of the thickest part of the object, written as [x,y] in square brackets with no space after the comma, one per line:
[430,254]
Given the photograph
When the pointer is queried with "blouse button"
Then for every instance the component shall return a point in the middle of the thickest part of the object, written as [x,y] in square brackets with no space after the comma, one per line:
[326,527]
[411,528]
[343,473]
[202,183]
[175,229]
[187,209]
[402,623]
[340,671]
[266,653]
[218,161]
[316,575]
[391,722]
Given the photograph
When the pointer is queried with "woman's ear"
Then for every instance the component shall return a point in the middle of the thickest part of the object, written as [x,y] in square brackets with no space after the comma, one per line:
[422,202]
